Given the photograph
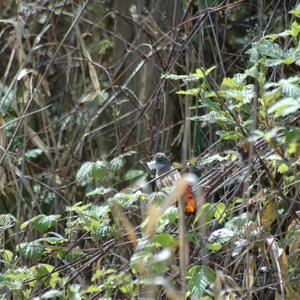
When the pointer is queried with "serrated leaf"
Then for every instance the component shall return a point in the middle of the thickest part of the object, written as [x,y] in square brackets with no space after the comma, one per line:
[199,279]
[117,164]
[100,170]
[229,83]
[31,250]
[295,29]
[285,106]
[283,168]
[97,211]
[42,222]
[213,117]
[269,48]
[84,173]
[7,219]
[78,207]
[184,78]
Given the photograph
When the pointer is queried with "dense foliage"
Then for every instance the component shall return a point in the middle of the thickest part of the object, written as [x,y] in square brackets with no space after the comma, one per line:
[78,123]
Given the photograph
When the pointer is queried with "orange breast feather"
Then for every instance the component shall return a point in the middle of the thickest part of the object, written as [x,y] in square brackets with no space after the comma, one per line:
[190,203]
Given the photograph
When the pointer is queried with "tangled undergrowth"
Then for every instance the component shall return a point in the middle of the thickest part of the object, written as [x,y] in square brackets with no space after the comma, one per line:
[116,242]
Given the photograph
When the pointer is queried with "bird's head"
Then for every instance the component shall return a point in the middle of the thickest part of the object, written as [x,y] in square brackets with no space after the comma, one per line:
[160,162]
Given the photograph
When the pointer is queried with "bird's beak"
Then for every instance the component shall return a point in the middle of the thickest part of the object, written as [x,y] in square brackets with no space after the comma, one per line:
[151,165]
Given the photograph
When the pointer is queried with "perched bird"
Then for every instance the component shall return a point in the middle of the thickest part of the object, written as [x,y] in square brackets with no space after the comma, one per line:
[162,165]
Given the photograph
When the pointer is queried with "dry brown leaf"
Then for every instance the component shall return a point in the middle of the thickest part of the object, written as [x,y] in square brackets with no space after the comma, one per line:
[269,213]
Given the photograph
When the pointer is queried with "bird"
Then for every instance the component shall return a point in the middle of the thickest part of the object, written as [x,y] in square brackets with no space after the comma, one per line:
[162,165]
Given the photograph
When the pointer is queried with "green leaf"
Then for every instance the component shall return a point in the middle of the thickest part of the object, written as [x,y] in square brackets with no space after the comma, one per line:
[213,117]
[290,87]
[199,279]
[215,247]
[97,211]
[221,236]
[84,173]
[229,83]
[191,92]
[295,12]
[165,240]
[31,250]
[73,292]
[100,98]
[51,294]
[42,222]
[184,78]
[33,153]
[78,207]
[212,105]
[236,224]
[295,29]
[230,135]
[99,191]
[7,255]
[117,164]
[283,168]
[100,170]
[269,48]
[202,73]
[285,106]
[101,273]
[169,216]
[7,220]
[220,212]
[205,213]
[133,174]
